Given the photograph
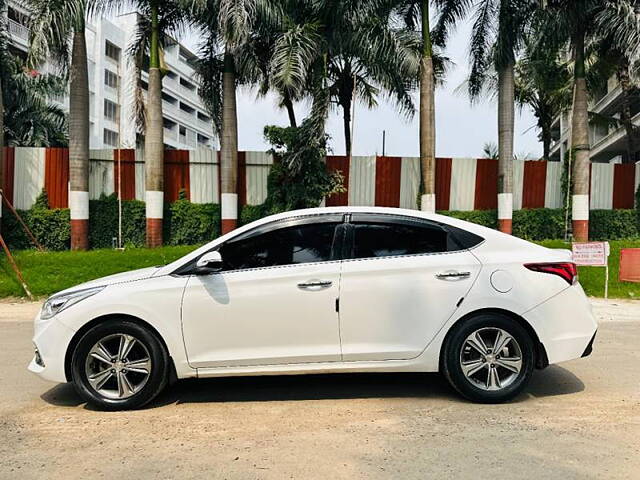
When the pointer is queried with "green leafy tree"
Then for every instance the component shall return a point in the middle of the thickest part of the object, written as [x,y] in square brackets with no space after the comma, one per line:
[31,119]
[294,185]
[543,83]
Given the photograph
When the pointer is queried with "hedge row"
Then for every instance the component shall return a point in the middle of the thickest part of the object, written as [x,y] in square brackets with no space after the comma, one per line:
[187,223]
[549,223]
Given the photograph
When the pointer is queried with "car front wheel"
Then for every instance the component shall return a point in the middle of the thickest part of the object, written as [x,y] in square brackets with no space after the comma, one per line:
[119,365]
[489,358]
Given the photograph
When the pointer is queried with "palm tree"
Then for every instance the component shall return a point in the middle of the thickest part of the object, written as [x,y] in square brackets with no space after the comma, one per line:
[157,19]
[580,23]
[542,82]
[31,119]
[498,33]
[3,74]
[415,14]
[55,24]
[229,27]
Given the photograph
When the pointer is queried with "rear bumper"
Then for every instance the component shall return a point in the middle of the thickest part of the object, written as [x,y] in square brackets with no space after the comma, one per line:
[589,349]
[565,325]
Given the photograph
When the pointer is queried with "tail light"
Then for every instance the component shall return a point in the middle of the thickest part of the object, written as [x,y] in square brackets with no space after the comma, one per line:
[566,270]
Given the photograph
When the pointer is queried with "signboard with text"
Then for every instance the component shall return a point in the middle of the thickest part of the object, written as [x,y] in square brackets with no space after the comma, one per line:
[592,254]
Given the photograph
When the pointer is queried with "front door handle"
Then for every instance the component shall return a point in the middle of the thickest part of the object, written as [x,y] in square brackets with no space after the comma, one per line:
[315,284]
[453,275]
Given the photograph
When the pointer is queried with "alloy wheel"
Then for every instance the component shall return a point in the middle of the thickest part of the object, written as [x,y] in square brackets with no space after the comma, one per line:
[491,358]
[118,366]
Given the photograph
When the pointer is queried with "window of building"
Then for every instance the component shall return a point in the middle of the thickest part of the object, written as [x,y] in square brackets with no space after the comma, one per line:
[187,108]
[110,79]
[110,138]
[169,98]
[110,110]
[111,51]
[187,84]
[203,117]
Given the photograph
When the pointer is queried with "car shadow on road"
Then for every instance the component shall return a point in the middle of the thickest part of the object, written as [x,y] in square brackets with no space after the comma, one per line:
[552,381]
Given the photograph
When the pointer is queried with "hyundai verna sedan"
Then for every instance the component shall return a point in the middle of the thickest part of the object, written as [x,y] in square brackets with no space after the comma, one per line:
[323,290]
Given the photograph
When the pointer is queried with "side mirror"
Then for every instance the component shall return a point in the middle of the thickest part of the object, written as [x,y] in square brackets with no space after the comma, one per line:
[209,263]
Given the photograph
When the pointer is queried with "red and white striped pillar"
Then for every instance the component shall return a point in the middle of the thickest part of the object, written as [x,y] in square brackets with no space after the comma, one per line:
[428,202]
[580,217]
[229,211]
[79,210]
[505,212]
[154,202]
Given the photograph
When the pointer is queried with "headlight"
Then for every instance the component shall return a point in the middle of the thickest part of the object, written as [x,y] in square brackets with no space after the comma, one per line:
[57,303]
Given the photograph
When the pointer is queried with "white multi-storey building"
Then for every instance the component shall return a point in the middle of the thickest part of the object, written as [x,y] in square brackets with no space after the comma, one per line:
[608,143]
[112,80]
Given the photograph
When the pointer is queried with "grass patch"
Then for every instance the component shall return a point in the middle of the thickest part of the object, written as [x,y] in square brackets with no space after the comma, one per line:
[50,272]
[592,278]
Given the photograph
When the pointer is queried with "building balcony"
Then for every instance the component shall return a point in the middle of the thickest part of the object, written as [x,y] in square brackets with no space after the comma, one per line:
[613,144]
[170,134]
[17,30]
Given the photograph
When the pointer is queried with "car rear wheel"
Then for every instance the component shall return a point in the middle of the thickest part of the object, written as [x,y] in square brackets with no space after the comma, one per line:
[489,358]
[119,365]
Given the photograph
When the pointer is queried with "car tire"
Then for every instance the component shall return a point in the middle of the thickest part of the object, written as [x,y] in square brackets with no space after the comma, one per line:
[109,362]
[490,376]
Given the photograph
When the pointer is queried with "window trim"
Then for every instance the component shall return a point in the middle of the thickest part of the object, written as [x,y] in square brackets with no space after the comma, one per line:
[390,219]
[337,244]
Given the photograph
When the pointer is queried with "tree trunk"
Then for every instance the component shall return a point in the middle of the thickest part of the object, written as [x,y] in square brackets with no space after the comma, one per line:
[346,124]
[79,142]
[506,107]
[229,147]
[154,140]
[2,174]
[626,118]
[580,145]
[427,118]
[546,143]
[286,100]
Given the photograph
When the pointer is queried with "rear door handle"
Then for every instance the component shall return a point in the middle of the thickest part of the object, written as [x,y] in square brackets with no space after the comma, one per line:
[453,275]
[315,284]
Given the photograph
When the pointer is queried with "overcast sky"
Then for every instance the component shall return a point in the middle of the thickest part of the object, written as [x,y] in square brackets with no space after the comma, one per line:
[461,129]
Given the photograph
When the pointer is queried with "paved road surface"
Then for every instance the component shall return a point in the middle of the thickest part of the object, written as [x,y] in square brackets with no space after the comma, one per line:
[578,420]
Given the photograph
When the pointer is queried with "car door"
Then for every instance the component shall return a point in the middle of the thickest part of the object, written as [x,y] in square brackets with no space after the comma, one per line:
[274,302]
[402,280]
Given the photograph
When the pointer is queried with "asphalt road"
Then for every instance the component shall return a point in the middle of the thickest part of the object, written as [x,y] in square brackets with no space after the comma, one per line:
[577,420]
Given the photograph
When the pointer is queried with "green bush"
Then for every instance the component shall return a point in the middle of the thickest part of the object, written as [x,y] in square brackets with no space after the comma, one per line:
[538,223]
[187,223]
[548,223]
[613,224]
[103,222]
[51,227]
[486,218]
[251,213]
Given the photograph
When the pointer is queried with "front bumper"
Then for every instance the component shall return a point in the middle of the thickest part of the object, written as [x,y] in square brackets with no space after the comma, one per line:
[51,339]
[565,325]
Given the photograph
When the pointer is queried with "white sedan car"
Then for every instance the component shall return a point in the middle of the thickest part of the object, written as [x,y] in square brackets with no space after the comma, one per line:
[323,290]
